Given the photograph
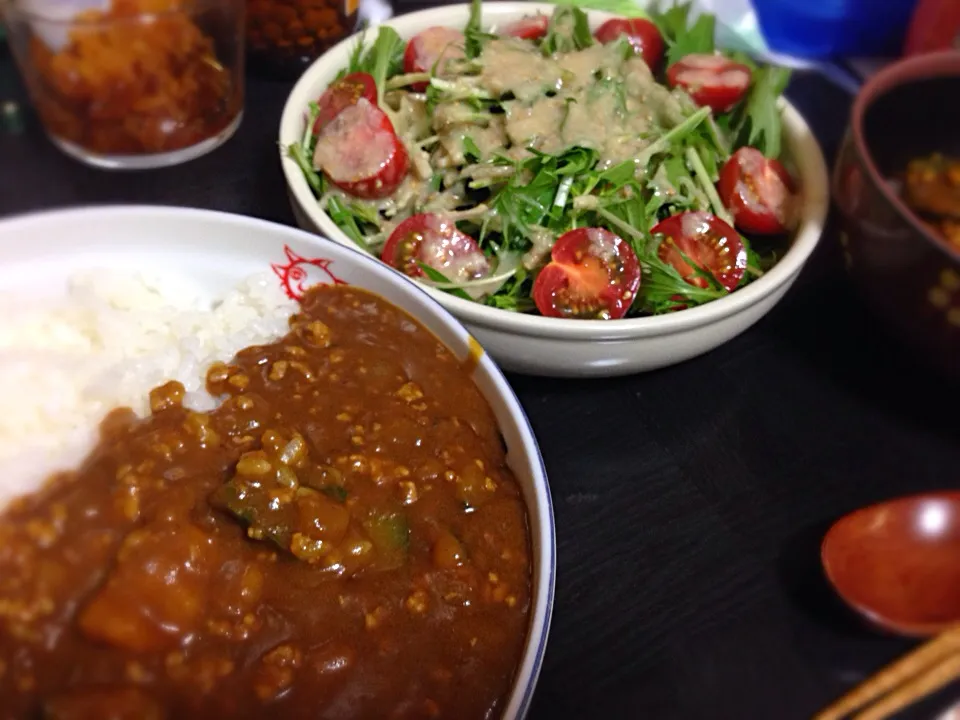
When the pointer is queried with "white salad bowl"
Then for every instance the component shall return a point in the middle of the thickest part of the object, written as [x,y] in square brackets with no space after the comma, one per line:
[565,347]
[208,253]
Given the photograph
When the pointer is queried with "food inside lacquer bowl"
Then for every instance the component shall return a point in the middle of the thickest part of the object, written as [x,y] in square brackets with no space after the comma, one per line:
[323,525]
[541,167]
[931,188]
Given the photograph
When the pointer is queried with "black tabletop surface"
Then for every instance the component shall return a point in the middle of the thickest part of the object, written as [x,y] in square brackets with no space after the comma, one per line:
[690,502]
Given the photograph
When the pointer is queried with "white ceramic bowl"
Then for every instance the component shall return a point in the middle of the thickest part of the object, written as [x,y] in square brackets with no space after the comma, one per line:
[211,252]
[561,347]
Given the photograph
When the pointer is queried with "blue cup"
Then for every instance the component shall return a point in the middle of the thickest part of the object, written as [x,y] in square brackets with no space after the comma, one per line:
[831,28]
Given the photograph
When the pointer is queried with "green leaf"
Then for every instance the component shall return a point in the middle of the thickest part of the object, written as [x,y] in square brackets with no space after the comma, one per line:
[515,293]
[633,233]
[512,303]
[309,139]
[682,38]
[450,90]
[568,30]
[618,175]
[474,36]
[760,124]
[671,22]
[663,289]
[673,136]
[383,59]
[365,212]
[697,40]
[474,22]
[717,134]
[356,54]
[576,161]
[520,204]
[439,277]
[434,98]
[343,215]
[470,150]
[297,154]
[703,176]
[754,263]
[626,8]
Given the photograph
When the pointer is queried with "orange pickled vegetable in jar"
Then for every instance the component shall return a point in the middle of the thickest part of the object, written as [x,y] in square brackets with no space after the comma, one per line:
[284,36]
[136,83]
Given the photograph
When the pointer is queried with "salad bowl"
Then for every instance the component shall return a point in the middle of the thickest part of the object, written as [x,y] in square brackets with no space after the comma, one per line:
[563,346]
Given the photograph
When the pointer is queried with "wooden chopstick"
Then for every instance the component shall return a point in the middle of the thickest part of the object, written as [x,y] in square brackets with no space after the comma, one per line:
[897,673]
[921,685]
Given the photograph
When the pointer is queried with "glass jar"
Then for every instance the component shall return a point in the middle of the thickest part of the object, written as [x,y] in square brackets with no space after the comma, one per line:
[130,84]
[285,36]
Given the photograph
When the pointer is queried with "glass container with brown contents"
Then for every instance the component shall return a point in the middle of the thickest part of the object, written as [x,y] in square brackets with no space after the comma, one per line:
[133,84]
[285,36]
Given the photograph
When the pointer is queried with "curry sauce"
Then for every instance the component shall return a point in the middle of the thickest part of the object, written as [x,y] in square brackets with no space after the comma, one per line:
[341,538]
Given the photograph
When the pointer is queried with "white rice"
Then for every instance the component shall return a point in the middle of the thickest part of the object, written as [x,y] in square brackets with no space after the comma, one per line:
[65,364]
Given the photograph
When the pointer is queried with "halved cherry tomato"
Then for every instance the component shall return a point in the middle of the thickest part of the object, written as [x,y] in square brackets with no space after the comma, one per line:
[759,192]
[592,273]
[528,28]
[711,80]
[342,94]
[642,34]
[708,242]
[360,152]
[430,46]
[436,242]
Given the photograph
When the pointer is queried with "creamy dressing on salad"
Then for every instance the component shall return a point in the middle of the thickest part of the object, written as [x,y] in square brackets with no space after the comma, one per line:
[578,98]
[511,65]
[541,243]
[603,245]
[582,68]
[488,140]
[599,98]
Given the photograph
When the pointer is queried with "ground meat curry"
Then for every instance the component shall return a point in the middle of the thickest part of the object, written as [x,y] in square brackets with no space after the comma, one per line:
[341,538]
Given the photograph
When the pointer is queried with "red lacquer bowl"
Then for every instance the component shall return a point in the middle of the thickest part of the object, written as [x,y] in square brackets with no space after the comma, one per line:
[906,272]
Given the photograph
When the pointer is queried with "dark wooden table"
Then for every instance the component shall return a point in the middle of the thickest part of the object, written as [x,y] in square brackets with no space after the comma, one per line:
[690,502]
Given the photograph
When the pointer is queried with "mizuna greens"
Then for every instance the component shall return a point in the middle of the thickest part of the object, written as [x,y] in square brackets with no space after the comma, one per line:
[512,138]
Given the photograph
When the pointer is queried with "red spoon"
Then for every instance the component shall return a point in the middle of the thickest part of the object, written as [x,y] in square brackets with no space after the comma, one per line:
[898,563]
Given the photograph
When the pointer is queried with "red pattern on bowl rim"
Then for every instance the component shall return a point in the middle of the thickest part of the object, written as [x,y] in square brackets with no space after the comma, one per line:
[299,274]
